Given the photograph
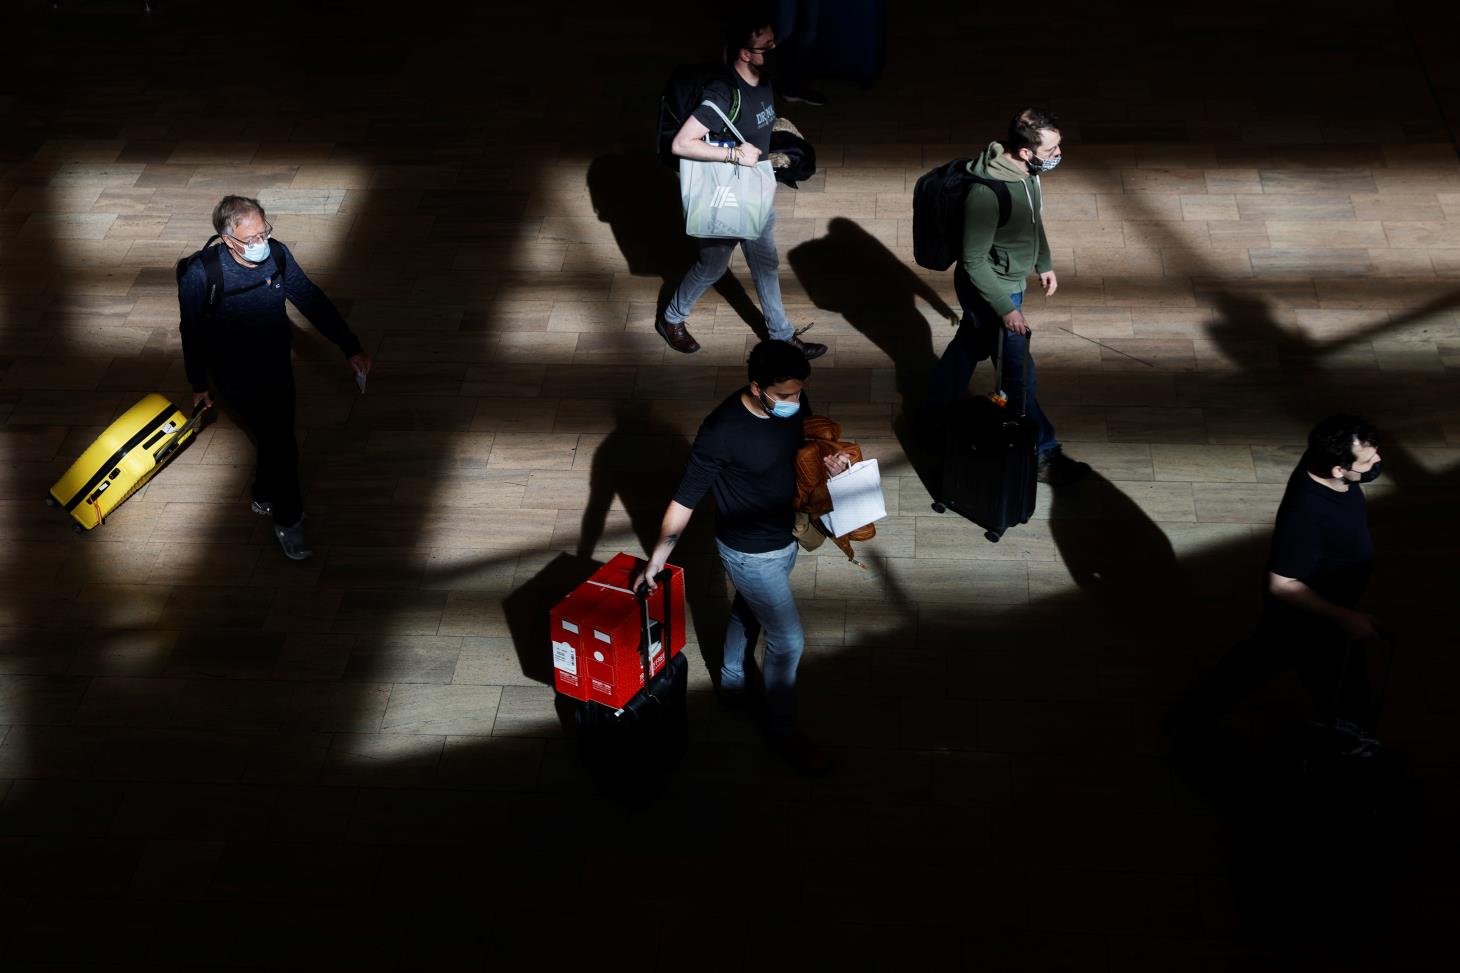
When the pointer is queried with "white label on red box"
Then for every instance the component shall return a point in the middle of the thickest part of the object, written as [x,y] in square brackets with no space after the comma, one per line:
[565,657]
[570,627]
[603,636]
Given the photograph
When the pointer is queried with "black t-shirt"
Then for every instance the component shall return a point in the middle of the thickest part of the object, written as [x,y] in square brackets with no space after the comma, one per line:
[1321,538]
[757,109]
[751,464]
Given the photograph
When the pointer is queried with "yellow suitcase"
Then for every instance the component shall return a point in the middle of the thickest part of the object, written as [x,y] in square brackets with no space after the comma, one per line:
[122,460]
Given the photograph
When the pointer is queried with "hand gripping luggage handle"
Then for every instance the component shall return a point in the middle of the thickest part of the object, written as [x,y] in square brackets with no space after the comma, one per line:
[199,418]
[999,370]
[661,579]
[1387,641]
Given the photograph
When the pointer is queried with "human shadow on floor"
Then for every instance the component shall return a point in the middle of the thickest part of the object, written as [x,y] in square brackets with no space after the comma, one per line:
[638,464]
[1112,548]
[639,199]
[852,273]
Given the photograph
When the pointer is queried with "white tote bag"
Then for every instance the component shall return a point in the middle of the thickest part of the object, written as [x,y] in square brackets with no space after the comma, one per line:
[723,201]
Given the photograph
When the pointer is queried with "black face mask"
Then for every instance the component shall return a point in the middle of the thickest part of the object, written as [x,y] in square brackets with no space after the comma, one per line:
[1372,473]
[1037,166]
[766,70]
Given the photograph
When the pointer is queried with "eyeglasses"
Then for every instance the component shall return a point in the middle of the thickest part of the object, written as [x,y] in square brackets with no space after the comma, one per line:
[762,50]
[257,238]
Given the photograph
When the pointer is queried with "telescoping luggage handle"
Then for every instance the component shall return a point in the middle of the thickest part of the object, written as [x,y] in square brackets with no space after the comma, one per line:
[645,634]
[199,418]
[999,371]
[642,594]
[1386,640]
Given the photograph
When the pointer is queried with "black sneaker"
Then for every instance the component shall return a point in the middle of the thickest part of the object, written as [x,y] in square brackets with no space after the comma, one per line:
[806,96]
[1352,740]
[291,539]
[1057,469]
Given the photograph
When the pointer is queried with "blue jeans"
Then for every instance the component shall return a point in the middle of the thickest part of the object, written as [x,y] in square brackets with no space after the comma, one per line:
[764,603]
[765,271]
[977,339]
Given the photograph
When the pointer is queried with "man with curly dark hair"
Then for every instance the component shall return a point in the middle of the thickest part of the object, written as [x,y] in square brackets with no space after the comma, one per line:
[1317,569]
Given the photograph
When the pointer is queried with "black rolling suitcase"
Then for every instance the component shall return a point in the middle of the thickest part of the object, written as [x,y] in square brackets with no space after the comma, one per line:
[991,458]
[630,751]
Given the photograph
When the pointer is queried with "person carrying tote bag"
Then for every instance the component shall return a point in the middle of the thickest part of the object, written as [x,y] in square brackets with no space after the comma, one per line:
[727,199]
[728,187]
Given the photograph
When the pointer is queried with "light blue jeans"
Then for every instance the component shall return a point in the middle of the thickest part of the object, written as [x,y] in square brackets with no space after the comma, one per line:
[765,271]
[764,603]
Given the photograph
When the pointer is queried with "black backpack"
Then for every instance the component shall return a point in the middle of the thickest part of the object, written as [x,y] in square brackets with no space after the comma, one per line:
[938,200]
[212,257]
[682,95]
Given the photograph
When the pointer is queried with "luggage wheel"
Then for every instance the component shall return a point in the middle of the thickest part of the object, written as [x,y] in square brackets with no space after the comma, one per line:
[937,507]
[77,528]
[51,501]
[993,536]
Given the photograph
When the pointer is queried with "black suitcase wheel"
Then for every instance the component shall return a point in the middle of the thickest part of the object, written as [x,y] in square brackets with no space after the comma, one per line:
[993,536]
[937,507]
[78,528]
[51,501]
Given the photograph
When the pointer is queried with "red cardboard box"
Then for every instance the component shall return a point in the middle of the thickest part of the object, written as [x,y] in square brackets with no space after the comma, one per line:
[595,633]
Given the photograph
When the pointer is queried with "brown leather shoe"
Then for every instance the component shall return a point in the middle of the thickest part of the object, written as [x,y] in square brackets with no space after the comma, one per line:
[677,335]
[808,348]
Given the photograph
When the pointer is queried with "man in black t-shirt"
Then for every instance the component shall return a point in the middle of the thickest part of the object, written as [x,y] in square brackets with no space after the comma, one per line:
[1317,570]
[744,93]
[745,452]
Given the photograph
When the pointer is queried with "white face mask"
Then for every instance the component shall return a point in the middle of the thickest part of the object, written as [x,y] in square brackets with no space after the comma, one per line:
[256,253]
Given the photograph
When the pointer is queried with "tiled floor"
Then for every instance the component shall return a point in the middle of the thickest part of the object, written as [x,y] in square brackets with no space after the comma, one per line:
[213,758]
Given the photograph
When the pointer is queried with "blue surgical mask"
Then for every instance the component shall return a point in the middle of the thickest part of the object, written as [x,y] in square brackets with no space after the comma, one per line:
[781,410]
[256,253]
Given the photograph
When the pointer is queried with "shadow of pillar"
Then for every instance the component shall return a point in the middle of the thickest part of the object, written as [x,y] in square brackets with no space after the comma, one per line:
[1279,377]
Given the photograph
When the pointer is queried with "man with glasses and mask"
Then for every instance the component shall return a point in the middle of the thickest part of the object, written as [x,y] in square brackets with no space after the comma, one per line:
[1317,570]
[1003,242]
[240,334]
[745,452]
[750,50]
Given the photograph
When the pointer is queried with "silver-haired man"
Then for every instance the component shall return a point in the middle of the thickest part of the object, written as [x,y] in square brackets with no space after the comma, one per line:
[234,327]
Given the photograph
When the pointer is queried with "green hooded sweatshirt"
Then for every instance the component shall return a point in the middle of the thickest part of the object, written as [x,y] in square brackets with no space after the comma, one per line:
[999,258]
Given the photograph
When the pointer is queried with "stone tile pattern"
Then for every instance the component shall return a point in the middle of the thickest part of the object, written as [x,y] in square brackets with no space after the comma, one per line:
[335,753]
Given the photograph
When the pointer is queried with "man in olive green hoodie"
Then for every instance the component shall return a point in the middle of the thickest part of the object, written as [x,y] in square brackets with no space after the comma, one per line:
[991,273]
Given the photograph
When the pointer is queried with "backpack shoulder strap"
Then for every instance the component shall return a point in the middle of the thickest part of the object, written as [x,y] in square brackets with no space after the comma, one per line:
[213,268]
[281,259]
[734,103]
[1000,189]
